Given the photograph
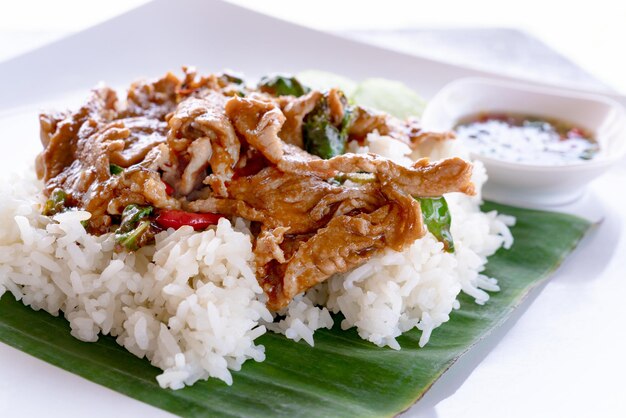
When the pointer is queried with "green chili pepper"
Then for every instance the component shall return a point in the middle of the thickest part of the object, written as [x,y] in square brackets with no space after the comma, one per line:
[437,219]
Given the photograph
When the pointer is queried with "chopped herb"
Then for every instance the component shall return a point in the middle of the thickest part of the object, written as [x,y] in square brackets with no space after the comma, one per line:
[133,226]
[235,82]
[232,78]
[282,85]
[133,214]
[130,239]
[56,203]
[115,169]
[437,219]
[589,153]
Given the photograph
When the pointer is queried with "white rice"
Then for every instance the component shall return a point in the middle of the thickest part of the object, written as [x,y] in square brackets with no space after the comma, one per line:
[191,303]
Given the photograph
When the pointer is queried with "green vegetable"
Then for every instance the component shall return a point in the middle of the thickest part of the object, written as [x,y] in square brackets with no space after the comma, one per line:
[130,239]
[232,78]
[282,85]
[115,169]
[320,136]
[238,85]
[342,375]
[56,203]
[348,118]
[133,214]
[437,219]
[132,226]
[590,152]
[360,178]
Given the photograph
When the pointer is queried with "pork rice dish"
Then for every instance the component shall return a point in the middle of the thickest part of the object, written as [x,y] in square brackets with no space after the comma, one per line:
[200,212]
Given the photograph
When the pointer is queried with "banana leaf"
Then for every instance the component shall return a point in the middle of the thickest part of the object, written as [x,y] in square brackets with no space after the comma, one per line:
[342,375]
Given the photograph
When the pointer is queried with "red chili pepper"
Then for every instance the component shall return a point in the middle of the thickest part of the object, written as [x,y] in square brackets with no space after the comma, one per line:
[168,189]
[575,133]
[176,218]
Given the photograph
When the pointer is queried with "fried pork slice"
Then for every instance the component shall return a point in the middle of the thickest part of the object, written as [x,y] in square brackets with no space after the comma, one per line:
[80,149]
[60,134]
[423,179]
[201,135]
[295,109]
[311,218]
[408,131]
[313,222]
[143,135]
[363,121]
[304,201]
[301,203]
[330,221]
[267,246]
[259,123]
[226,83]
[344,243]
[153,99]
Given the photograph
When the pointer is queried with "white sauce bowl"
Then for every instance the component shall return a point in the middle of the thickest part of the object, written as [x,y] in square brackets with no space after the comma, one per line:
[529,184]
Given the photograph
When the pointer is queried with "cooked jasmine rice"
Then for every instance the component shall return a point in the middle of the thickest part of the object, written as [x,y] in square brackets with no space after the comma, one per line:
[191,303]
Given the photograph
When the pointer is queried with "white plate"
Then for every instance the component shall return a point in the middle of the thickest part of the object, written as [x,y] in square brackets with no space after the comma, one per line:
[554,360]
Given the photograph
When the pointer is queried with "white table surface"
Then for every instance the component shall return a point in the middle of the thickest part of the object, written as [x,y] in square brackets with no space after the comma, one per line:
[572,366]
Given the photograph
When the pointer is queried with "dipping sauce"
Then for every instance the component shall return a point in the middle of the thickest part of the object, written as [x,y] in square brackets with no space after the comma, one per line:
[526,139]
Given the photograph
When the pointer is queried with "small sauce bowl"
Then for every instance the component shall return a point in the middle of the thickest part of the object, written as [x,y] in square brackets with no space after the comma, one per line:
[524,183]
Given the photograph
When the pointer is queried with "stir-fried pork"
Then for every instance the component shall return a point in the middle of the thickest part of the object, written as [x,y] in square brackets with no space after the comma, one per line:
[409,131]
[344,243]
[201,135]
[213,145]
[259,123]
[81,148]
[153,99]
